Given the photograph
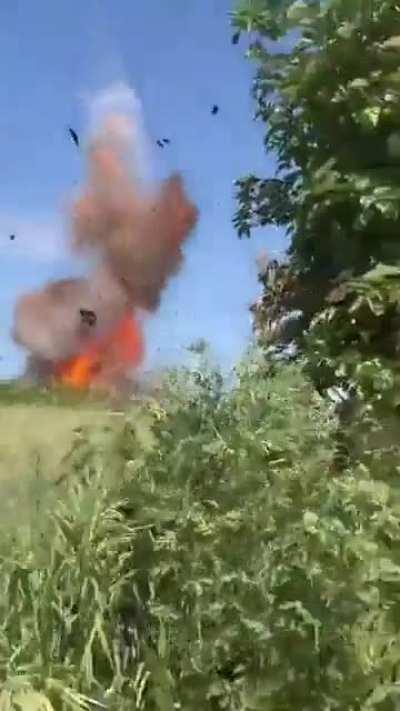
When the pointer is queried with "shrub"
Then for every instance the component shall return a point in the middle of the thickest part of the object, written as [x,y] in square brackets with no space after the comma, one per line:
[221,565]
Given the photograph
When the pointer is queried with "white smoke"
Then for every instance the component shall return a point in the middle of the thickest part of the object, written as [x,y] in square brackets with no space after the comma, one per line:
[121,99]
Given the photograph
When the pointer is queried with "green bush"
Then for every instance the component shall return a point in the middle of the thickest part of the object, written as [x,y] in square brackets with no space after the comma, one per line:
[205,557]
[327,92]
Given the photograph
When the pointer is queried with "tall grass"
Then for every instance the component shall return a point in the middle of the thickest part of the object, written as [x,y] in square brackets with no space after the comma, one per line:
[202,555]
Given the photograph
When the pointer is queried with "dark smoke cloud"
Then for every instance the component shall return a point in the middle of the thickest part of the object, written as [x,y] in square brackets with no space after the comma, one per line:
[136,236]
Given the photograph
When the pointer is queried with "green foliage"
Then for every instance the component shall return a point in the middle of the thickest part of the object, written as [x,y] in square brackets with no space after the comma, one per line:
[328,94]
[219,565]
[263,202]
[330,105]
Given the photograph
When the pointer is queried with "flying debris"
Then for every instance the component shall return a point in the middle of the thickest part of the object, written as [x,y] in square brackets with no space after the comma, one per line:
[236,38]
[160,144]
[12,237]
[74,136]
[166,141]
[215,110]
[198,347]
[88,317]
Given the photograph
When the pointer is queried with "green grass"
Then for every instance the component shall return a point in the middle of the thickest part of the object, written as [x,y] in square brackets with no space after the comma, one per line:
[29,433]
[197,553]
[18,392]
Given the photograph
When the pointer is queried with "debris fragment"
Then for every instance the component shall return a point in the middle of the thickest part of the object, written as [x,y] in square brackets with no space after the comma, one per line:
[163,142]
[74,136]
[89,317]
[12,237]
[199,346]
[236,38]
[215,110]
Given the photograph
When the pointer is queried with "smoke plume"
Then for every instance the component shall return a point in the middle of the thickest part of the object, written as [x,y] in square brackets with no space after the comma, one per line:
[134,234]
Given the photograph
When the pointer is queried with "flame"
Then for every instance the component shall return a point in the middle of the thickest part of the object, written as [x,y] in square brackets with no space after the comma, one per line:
[111,356]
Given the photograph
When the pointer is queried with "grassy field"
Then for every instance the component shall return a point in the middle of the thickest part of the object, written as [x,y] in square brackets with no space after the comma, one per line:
[38,425]
[29,433]
[46,435]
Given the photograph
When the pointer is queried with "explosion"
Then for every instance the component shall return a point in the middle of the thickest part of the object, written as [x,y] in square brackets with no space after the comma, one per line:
[106,359]
[85,332]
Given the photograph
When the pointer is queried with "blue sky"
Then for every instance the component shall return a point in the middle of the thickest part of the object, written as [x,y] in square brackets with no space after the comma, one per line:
[178,57]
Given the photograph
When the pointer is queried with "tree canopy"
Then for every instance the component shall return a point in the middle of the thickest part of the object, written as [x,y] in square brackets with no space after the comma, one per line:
[327,88]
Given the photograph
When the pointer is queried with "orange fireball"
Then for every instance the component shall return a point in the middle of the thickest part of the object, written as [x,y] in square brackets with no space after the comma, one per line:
[116,354]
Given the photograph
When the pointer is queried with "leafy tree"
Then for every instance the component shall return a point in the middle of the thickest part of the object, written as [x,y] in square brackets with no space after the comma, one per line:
[329,97]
